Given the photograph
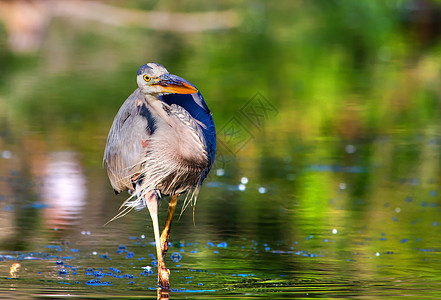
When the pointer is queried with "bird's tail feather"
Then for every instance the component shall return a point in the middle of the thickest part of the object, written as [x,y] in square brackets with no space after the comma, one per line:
[135,201]
[121,214]
[190,198]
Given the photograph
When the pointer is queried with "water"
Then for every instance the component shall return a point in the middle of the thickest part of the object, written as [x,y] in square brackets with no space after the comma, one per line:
[326,182]
[334,243]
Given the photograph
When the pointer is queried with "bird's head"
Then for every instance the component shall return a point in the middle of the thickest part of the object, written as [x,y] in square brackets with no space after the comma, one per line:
[154,79]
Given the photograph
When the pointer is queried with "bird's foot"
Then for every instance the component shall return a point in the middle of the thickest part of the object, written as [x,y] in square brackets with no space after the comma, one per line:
[163,278]
[163,294]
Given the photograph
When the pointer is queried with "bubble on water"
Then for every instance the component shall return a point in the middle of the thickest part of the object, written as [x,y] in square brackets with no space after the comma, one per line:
[404,241]
[146,272]
[222,245]
[262,190]
[377,254]
[244,180]
[63,272]
[241,187]
[397,210]
[220,172]
[334,231]
[176,257]
[142,236]
[99,274]
[350,149]
[59,262]
[435,223]
[98,282]
[94,253]
[342,186]
[89,272]
[147,268]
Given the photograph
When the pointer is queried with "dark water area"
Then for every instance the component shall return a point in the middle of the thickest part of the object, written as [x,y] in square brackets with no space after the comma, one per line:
[327,179]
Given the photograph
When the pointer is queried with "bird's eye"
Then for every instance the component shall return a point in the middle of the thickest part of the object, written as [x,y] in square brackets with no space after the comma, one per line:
[146,78]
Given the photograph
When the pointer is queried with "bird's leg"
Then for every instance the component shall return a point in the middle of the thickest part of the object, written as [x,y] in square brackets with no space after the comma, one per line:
[166,231]
[163,272]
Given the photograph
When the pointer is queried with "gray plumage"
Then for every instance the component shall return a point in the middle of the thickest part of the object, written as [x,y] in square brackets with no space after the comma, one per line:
[162,142]
[157,151]
[153,147]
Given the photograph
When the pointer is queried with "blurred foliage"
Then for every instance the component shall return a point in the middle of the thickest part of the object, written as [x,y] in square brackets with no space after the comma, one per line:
[326,66]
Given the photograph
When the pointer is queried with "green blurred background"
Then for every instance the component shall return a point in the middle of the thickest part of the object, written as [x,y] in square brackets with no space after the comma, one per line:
[349,138]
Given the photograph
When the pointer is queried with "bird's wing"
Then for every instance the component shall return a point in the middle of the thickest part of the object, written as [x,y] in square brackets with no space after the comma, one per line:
[127,142]
[195,105]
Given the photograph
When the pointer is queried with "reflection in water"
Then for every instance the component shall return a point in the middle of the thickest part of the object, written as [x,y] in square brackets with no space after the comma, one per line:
[64,189]
[13,269]
[162,294]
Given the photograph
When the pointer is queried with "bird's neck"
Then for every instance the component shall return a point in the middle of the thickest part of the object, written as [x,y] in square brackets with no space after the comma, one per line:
[161,108]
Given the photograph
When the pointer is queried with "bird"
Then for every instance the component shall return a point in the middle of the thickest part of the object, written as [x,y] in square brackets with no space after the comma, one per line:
[162,143]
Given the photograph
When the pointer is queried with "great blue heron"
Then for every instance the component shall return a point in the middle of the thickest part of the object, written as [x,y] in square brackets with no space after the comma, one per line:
[162,142]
